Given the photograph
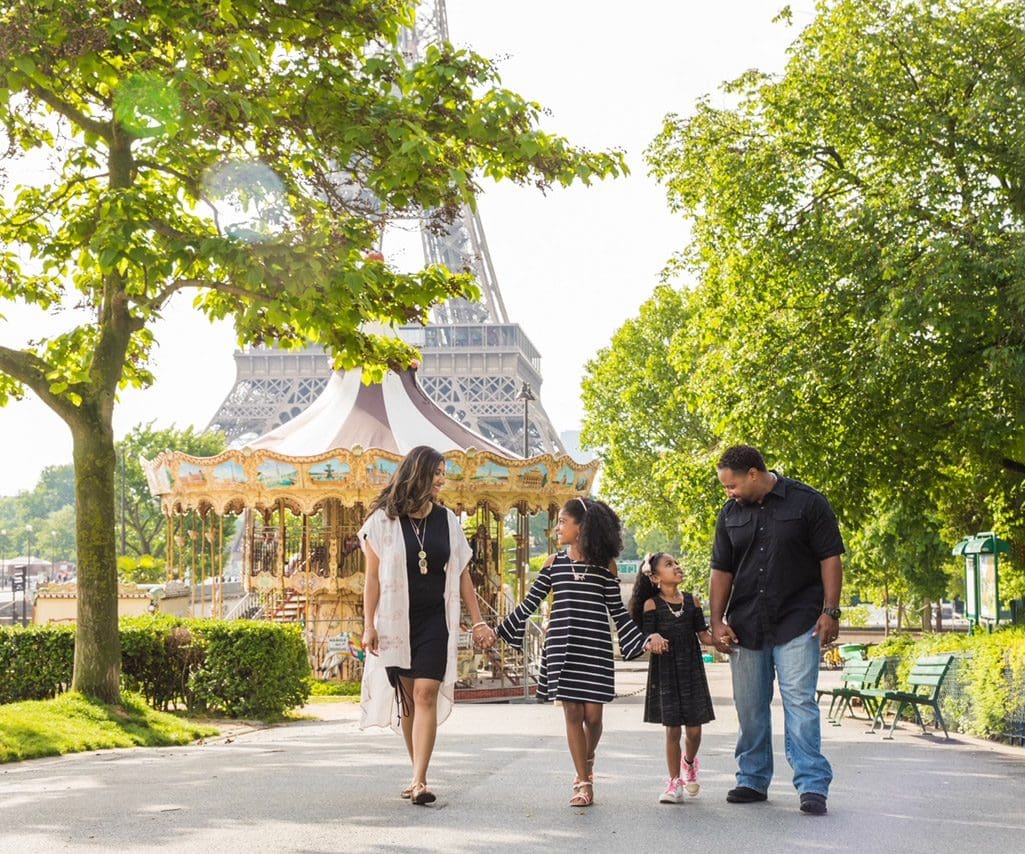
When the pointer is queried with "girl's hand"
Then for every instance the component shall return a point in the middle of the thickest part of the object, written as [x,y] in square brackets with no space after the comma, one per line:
[370,640]
[657,644]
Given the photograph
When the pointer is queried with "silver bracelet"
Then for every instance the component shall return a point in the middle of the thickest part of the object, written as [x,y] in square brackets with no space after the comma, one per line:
[481,623]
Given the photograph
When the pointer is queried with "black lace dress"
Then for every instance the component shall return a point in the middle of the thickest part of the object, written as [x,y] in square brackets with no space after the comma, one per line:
[677,686]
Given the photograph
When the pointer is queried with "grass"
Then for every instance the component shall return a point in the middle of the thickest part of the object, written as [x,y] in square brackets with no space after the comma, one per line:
[73,723]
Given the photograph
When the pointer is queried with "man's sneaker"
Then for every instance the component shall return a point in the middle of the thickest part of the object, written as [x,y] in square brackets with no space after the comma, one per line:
[673,793]
[689,776]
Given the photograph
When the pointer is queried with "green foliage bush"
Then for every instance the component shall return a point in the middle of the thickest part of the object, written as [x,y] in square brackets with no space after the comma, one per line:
[238,668]
[252,669]
[35,662]
[319,688]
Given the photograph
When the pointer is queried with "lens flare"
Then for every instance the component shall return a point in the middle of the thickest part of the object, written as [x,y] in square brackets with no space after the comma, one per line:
[248,198]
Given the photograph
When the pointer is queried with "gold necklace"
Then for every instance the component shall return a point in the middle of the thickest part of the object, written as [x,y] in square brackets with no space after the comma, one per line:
[420,534]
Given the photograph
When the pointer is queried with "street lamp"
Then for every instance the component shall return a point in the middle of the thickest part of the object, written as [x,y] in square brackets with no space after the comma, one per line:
[53,555]
[526,394]
[28,566]
[3,566]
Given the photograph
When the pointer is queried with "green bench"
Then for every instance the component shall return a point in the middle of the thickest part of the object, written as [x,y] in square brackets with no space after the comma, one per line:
[923,689]
[859,675]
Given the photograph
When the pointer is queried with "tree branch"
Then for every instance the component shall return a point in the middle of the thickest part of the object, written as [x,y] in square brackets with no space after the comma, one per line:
[161,298]
[29,369]
[101,129]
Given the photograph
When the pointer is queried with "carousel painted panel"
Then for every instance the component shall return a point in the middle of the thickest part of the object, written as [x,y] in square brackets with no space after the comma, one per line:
[230,473]
[190,476]
[277,474]
[330,472]
[491,473]
[380,470]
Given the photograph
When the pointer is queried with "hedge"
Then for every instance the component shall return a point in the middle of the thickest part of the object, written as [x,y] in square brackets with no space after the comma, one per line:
[238,668]
[984,694]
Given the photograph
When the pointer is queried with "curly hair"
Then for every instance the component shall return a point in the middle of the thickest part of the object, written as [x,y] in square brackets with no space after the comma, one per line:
[741,458]
[601,533]
[412,484]
[645,588]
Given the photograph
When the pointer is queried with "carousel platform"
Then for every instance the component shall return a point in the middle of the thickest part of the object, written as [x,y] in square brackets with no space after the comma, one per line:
[491,691]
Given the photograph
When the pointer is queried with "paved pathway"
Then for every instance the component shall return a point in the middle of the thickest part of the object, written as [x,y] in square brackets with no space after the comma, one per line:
[503,779]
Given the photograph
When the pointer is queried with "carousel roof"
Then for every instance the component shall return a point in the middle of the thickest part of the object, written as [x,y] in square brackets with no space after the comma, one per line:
[346,446]
[395,415]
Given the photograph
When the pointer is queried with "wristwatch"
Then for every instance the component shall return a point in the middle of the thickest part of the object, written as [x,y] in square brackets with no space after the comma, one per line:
[832,612]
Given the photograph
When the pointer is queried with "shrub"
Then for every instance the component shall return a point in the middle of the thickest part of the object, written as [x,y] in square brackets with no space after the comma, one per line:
[35,662]
[252,669]
[236,668]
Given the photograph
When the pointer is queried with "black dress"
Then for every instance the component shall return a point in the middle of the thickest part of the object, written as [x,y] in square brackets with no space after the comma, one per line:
[677,686]
[428,628]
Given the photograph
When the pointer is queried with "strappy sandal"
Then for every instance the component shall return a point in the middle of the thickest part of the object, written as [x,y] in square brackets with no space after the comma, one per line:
[421,795]
[583,794]
[590,772]
[407,792]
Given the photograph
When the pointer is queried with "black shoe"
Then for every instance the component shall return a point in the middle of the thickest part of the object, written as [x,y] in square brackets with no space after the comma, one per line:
[813,803]
[745,795]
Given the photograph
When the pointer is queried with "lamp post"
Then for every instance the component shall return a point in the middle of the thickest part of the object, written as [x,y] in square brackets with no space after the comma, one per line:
[53,555]
[28,566]
[3,565]
[526,394]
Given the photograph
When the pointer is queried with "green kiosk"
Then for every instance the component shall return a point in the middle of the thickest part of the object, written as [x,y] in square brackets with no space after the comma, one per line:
[982,578]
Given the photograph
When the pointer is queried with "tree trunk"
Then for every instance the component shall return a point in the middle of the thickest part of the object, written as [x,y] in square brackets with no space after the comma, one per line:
[97,644]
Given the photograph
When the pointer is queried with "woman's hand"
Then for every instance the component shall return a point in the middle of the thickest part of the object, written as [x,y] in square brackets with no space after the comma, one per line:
[370,641]
[484,636]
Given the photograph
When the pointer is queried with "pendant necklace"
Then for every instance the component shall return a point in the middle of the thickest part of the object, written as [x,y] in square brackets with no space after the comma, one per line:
[577,576]
[420,533]
[675,613]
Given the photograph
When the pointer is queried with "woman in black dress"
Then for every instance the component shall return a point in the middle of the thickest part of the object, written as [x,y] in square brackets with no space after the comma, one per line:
[416,559]
[677,696]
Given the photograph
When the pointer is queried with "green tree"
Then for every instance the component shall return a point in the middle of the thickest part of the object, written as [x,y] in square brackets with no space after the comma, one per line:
[859,236]
[657,452]
[145,528]
[248,151]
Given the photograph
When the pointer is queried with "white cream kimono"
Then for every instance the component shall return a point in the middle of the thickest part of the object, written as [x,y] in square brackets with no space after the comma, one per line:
[378,704]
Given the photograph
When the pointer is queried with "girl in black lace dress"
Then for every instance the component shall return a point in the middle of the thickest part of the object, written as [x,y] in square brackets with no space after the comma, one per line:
[678,696]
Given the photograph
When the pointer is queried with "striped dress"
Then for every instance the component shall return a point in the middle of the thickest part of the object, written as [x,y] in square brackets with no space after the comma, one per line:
[577,660]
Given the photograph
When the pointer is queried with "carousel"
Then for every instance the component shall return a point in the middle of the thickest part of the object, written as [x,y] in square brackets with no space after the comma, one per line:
[291,502]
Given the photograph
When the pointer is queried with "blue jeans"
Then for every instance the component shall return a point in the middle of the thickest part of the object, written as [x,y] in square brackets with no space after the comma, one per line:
[795,665]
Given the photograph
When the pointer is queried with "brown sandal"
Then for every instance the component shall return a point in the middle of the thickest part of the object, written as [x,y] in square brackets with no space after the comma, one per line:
[583,794]
[421,795]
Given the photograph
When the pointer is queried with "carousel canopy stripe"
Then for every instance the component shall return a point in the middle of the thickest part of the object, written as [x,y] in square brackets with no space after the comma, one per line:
[395,416]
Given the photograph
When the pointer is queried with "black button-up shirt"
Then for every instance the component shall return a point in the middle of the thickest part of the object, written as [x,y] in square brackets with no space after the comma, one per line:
[773,551]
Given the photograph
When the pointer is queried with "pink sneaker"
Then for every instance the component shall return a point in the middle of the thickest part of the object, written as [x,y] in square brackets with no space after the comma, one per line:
[689,773]
[673,793]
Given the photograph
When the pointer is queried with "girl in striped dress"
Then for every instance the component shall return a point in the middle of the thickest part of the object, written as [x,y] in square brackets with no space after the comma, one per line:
[576,665]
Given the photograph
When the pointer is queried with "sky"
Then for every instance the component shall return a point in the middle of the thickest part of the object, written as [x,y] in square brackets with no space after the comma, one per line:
[572,265]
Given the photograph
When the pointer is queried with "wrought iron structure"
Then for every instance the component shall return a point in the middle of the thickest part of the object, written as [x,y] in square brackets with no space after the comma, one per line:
[475,360]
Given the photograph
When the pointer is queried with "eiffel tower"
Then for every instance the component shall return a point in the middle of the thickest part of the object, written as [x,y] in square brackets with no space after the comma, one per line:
[477,365]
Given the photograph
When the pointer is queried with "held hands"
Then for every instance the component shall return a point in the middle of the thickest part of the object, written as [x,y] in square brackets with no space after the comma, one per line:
[483,636]
[657,644]
[723,637]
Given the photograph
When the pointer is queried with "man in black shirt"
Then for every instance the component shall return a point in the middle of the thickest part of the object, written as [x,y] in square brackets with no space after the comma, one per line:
[775,595]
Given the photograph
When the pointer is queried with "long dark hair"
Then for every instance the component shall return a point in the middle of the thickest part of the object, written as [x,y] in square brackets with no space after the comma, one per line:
[412,484]
[601,534]
[645,587]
